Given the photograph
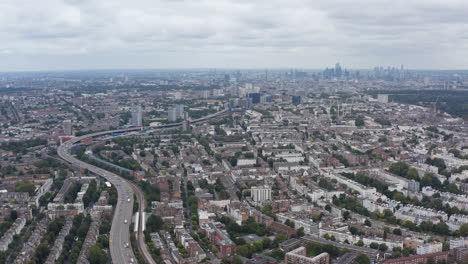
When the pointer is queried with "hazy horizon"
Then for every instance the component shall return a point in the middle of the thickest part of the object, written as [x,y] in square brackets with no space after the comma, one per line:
[227,69]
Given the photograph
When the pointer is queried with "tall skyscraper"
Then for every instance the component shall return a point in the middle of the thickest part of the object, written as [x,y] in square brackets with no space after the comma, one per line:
[137,116]
[338,71]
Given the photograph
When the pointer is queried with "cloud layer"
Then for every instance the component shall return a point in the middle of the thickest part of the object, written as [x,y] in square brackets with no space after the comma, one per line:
[89,34]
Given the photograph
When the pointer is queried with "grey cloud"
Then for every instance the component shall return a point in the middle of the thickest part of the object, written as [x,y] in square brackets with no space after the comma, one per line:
[300,33]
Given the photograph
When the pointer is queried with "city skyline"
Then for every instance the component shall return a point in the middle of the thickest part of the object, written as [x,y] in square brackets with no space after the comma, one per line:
[234,131]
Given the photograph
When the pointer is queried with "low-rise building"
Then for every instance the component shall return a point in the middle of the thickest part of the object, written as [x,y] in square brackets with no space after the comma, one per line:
[220,238]
[417,214]
[438,257]
[429,248]
[15,229]
[299,256]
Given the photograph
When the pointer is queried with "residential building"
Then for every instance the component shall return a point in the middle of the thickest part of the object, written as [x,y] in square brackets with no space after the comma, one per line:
[438,257]
[299,256]
[137,116]
[68,127]
[219,238]
[260,194]
[429,248]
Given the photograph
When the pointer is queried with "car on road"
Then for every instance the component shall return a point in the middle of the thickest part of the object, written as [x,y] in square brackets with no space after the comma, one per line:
[125,221]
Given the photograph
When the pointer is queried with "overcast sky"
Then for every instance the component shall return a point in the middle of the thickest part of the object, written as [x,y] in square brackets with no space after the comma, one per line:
[116,34]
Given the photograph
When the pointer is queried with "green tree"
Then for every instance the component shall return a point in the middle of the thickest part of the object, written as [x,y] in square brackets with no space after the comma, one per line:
[367,222]
[244,250]
[289,223]
[397,231]
[42,252]
[374,245]
[441,228]
[359,121]
[383,247]
[267,243]
[279,238]
[103,241]
[154,223]
[399,168]
[237,260]
[25,186]
[96,255]
[300,232]
[464,230]
[412,174]
[362,259]
[346,215]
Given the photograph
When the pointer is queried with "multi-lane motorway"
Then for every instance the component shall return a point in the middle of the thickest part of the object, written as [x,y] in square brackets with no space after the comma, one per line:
[119,241]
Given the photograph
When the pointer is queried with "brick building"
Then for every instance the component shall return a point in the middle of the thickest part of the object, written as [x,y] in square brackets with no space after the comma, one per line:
[220,238]
[459,254]
[299,256]
[437,257]
[282,228]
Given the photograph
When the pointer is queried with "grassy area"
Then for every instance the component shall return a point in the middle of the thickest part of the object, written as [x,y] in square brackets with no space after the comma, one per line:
[452,102]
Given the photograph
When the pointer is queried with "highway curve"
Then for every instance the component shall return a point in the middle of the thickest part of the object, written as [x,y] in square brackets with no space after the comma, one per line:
[119,240]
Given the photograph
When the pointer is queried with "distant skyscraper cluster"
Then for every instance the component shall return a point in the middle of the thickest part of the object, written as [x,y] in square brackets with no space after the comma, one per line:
[389,73]
[336,72]
[379,72]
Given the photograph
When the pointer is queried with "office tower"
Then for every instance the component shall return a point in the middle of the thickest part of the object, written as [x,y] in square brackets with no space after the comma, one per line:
[296,99]
[255,97]
[338,71]
[137,116]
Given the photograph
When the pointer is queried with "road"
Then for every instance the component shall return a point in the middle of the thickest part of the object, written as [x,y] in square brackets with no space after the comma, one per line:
[119,240]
